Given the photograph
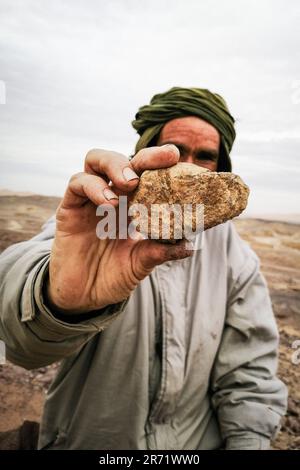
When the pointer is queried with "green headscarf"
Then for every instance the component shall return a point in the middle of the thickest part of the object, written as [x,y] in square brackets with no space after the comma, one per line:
[180,102]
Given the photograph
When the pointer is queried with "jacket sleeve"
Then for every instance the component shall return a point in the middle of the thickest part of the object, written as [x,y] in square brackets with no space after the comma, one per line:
[33,335]
[248,397]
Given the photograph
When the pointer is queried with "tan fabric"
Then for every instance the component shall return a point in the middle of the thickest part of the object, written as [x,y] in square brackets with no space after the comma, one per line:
[213,381]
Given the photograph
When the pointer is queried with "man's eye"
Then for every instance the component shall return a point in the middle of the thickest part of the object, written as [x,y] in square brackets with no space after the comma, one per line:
[205,156]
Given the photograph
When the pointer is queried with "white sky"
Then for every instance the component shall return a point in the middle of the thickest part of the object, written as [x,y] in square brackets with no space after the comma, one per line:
[76,72]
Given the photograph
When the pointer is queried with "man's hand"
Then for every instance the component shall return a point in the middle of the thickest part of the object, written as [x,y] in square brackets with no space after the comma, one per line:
[86,273]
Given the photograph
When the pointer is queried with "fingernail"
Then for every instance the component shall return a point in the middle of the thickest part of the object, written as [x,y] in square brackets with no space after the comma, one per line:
[129,174]
[108,194]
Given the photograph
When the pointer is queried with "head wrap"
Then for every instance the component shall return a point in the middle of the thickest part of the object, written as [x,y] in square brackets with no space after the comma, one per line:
[180,102]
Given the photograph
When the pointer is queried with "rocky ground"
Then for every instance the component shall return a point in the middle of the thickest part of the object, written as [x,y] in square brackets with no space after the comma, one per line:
[22,392]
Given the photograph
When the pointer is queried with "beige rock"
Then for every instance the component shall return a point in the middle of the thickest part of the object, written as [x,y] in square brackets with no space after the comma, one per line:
[164,194]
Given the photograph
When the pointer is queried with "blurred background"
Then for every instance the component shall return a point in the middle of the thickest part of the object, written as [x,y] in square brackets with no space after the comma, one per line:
[74,73]
[72,76]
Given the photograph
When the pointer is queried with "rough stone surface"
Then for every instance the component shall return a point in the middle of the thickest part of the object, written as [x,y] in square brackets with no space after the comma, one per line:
[223,195]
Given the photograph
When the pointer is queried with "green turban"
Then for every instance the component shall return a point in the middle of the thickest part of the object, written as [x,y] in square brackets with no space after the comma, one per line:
[180,102]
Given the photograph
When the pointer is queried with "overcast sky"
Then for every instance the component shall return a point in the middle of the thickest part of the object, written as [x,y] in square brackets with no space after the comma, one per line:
[75,73]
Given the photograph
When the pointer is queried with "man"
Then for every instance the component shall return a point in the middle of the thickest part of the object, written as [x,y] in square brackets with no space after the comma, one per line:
[162,347]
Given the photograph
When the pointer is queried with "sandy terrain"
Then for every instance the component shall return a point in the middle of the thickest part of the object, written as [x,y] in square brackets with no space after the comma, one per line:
[278,245]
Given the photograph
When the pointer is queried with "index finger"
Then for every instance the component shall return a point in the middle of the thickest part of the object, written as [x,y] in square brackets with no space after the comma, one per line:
[124,173]
[153,158]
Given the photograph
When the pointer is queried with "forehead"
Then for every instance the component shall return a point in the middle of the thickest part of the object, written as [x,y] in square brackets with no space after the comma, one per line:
[190,128]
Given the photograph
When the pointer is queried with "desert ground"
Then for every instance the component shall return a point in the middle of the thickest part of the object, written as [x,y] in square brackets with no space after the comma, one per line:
[22,392]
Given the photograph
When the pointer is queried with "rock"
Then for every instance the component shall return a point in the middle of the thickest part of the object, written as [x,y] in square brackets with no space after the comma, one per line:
[221,196]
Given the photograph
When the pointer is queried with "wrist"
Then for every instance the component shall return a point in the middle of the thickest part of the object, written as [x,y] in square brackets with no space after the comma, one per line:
[56,305]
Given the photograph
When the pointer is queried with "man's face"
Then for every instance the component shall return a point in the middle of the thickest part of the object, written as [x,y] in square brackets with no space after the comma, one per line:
[197,140]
